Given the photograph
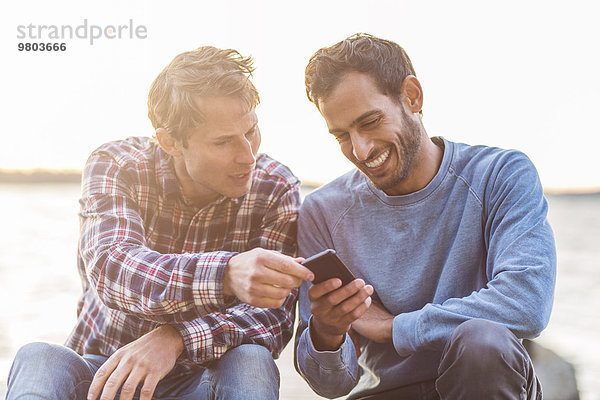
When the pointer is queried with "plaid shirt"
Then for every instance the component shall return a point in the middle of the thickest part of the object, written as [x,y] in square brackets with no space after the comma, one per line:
[147,256]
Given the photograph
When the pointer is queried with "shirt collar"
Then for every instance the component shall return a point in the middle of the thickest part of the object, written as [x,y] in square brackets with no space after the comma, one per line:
[166,172]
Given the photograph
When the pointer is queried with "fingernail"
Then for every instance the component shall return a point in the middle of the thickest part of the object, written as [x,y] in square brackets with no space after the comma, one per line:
[368,301]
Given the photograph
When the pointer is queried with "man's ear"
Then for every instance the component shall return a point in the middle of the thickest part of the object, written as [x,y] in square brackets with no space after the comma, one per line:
[412,94]
[167,142]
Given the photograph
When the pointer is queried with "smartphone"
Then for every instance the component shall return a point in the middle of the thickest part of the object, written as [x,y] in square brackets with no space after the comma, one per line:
[326,265]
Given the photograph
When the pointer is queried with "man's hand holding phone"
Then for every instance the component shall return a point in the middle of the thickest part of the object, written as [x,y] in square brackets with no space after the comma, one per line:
[334,306]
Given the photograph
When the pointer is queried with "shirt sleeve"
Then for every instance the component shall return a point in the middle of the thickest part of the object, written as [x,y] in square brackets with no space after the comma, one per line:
[520,266]
[127,275]
[209,337]
[329,373]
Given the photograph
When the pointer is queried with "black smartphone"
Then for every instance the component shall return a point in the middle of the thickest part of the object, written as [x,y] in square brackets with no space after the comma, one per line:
[326,265]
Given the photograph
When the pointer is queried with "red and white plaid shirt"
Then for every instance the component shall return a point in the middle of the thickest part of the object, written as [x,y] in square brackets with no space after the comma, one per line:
[147,256]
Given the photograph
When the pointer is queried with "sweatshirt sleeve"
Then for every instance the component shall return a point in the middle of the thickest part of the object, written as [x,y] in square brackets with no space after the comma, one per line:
[329,373]
[520,266]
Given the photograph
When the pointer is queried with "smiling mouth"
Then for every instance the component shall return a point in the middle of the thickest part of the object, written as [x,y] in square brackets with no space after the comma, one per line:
[378,162]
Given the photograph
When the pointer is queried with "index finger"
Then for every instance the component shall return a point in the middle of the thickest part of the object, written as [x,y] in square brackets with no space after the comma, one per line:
[336,292]
[289,266]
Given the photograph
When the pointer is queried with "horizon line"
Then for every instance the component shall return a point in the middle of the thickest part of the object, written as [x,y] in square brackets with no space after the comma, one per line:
[51,175]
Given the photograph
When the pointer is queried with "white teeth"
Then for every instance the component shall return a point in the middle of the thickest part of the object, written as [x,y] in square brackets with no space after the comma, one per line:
[379,160]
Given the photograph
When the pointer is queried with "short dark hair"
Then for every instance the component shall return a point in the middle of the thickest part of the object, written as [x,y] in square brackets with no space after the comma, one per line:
[204,72]
[385,61]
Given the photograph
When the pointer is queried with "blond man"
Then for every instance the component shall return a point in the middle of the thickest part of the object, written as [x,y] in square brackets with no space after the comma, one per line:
[185,253]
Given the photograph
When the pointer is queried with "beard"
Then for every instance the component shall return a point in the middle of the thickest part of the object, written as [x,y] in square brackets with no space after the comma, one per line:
[406,150]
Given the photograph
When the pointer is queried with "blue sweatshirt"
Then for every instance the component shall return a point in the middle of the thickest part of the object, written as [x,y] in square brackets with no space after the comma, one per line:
[474,243]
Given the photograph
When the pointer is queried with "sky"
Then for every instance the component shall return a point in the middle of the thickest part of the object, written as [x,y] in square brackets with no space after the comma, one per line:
[512,74]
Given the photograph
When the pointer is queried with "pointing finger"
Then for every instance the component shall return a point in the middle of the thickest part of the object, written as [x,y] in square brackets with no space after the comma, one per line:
[288,266]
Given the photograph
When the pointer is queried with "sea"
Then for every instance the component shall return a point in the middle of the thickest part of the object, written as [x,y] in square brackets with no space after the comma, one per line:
[39,285]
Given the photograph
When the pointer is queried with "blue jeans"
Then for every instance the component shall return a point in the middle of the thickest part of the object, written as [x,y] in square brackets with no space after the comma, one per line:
[46,371]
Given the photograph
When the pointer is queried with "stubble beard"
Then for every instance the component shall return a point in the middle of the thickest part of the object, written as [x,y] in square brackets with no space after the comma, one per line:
[409,146]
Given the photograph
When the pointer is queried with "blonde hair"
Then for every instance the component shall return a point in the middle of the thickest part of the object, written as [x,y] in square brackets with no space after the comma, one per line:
[204,72]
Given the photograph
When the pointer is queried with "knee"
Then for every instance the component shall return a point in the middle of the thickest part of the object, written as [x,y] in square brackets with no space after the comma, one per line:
[253,351]
[42,370]
[250,354]
[37,358]
[482,335]
[481,341]
[37,354]
[244,370]
[488,356]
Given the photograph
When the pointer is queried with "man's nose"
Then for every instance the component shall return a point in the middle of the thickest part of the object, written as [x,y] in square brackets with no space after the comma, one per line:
[245,153]
[361,146]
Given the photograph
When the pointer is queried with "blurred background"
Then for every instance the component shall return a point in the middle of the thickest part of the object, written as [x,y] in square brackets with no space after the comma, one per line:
[513,74]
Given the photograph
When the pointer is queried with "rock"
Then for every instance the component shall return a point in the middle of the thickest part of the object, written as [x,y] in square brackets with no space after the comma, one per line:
[556,375]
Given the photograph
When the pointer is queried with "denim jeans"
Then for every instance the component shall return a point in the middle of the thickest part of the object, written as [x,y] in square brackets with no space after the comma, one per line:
[46,371]
[481,360]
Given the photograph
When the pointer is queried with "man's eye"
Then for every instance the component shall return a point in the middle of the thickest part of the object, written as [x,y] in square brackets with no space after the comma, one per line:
[370,123]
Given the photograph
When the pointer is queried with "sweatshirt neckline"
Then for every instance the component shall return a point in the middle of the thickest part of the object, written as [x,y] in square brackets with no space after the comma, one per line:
[419,195]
